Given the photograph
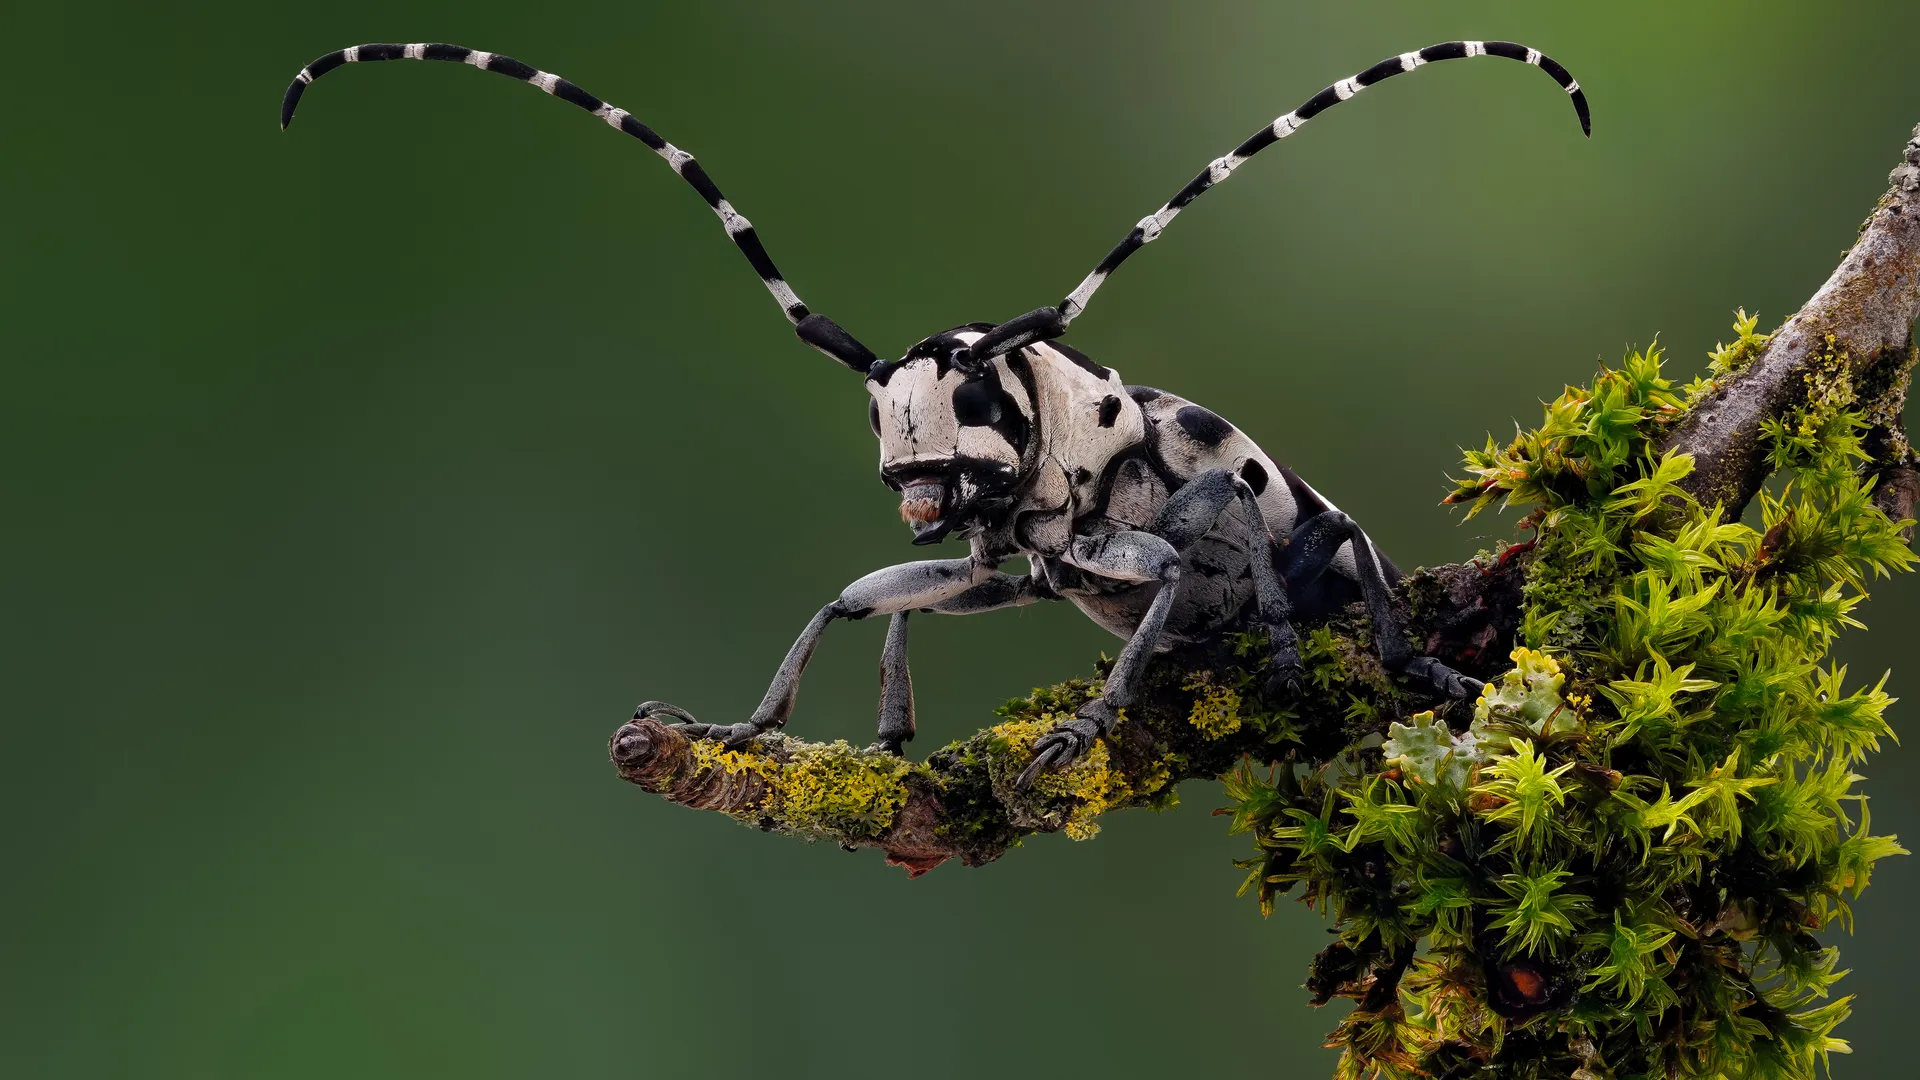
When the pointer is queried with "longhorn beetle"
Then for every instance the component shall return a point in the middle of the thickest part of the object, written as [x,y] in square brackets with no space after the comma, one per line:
[1152,515]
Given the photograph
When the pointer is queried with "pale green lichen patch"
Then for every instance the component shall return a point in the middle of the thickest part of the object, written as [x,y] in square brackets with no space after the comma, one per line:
[1428,752]
[1528,694]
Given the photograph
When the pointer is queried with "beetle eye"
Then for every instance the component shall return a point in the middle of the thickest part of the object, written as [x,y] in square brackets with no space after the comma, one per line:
[975,404]
[873,416]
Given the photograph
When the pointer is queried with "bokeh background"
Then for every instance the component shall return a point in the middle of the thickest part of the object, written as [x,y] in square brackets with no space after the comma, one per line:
[358,480]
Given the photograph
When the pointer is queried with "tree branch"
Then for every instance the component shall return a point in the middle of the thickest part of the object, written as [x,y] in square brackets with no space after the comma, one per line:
[1856,334]
[1851,346]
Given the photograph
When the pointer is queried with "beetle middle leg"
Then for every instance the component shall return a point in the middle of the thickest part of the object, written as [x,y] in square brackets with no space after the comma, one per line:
[1190,514]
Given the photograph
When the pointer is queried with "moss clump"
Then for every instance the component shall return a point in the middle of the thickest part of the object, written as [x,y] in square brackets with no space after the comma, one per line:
[1747,344]
[1620,865]
[832,791]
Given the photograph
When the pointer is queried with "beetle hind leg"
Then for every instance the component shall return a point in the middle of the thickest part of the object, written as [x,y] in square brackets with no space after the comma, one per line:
[1310,554]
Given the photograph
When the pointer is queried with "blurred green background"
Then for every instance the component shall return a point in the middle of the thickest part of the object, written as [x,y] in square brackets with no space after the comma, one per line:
[359,480]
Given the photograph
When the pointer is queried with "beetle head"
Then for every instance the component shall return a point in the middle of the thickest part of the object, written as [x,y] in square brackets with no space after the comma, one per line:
[953,434]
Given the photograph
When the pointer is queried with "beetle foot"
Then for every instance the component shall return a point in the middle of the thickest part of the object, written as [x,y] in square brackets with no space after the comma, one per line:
[1444,679]
[1068,740]
[1286,675]
[734,736]
[897,748]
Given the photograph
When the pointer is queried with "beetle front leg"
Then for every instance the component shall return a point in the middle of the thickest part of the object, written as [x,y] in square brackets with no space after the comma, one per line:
[884,592]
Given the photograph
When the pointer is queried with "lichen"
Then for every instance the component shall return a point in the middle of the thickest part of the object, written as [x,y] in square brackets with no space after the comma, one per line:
[1216,708]
[832,791]
[1528,695]
[1620,865]
[708,760]
[1427,752]
[1084,790]
[706,755]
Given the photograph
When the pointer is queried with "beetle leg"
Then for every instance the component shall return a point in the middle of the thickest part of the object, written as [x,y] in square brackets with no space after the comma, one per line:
[1309,555]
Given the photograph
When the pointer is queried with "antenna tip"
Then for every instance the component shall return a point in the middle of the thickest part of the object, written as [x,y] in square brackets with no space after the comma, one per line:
[290,101]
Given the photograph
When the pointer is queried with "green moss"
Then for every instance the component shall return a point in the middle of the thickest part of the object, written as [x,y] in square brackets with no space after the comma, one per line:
[1325,658]
[1623,863]
[1747,345]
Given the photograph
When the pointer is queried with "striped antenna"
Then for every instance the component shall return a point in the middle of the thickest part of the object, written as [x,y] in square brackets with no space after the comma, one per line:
[816,330]
[1051,322]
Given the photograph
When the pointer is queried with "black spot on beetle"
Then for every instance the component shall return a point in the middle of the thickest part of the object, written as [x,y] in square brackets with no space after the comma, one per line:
[1081,476]
[1080,358]
[1307,500]
[1143,394]
[1202,425]
[1254,474]
[1109,410]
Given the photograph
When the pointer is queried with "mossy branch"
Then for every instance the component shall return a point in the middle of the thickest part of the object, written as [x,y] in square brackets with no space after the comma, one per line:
[1197,716]
[1616,863]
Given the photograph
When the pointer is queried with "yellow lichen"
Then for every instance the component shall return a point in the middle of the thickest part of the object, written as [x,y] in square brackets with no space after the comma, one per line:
[705,755]
[1155,780]
[832,790]
[1216,708]
[1092,783]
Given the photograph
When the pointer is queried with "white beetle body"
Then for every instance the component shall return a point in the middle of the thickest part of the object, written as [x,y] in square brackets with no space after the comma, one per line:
[1098,458]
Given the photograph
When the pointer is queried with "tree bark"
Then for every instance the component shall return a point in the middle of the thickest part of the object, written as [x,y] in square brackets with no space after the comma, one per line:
[1851,343]
[1859,327]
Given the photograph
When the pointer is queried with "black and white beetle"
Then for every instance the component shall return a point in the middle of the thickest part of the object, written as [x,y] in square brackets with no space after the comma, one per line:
[1150,514]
